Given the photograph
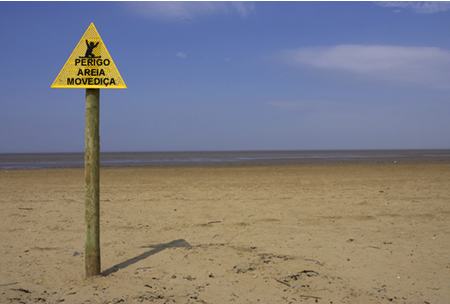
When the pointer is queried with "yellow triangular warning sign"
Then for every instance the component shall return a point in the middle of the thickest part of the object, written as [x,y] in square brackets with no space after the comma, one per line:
[90,66]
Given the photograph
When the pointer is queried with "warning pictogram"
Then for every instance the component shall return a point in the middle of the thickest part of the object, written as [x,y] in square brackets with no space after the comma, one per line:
[90,66]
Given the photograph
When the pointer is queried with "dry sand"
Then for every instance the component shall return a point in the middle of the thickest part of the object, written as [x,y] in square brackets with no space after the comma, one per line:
[323,233]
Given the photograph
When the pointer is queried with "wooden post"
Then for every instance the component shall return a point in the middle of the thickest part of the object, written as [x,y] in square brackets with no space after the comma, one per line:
[92,186]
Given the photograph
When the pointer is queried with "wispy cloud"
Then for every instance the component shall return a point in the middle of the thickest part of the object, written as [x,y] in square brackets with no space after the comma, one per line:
[426,66]
[243,8]
[180,10]
[181,55]
[307,105]
[421,7]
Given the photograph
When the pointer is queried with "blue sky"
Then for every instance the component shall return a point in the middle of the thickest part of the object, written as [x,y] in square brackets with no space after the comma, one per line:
[208,76]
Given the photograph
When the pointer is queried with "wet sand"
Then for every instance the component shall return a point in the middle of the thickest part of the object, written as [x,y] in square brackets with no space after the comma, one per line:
[305,233]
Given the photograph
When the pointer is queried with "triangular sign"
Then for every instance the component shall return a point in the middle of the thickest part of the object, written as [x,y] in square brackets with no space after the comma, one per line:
[90,66]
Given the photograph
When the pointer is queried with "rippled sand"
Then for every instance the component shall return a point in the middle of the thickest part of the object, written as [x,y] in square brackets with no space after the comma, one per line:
[312,233]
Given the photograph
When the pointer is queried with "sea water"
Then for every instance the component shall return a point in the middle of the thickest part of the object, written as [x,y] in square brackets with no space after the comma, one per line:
[134,159]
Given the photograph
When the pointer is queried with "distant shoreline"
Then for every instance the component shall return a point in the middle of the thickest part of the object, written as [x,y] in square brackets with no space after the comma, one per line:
[144,159]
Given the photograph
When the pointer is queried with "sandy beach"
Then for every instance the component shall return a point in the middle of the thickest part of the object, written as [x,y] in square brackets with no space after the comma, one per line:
[308,233]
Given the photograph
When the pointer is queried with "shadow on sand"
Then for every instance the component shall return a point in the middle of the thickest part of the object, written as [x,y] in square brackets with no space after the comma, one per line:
[156,248]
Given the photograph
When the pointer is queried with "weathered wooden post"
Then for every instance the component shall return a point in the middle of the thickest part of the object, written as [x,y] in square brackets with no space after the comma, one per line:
[92,183]
[91,67]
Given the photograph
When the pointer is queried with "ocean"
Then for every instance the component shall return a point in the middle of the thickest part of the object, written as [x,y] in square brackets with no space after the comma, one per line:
[135,159]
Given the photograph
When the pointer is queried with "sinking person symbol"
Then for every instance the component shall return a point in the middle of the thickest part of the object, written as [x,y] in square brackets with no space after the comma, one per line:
[90,47]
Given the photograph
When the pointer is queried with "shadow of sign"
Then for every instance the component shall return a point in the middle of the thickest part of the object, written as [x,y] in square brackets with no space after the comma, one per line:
[156,249]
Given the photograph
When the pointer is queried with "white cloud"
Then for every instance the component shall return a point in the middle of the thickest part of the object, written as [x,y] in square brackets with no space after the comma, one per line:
[421,7]
[311,106]
[302,104]
[180,10]
[426,66]
[181,55]
[243,8]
